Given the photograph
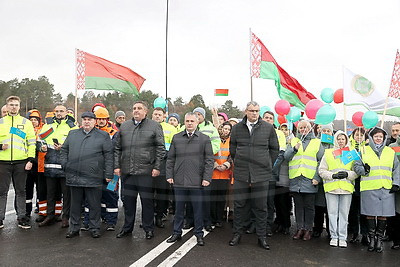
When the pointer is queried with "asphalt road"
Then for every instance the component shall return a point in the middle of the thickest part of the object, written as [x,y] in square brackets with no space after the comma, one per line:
[48,246]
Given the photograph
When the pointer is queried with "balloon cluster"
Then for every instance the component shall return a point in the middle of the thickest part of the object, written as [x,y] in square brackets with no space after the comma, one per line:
[367,120]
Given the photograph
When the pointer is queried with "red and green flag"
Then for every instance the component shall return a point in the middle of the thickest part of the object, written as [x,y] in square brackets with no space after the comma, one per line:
[221,92]
[264,66]
[97,73]
[396,150]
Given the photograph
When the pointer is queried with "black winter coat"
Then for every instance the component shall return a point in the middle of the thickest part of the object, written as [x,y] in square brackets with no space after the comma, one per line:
[253,155]
[87,158]
[139,148]
[190,160]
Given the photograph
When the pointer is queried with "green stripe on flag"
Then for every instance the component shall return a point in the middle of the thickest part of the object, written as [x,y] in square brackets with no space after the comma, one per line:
[221,94]
[100,83]
[268,70]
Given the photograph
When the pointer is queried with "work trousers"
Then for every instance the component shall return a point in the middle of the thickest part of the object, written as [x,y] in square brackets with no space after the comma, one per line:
[16,173]
[219,189]
[161,196]
[283,206]
[53,185]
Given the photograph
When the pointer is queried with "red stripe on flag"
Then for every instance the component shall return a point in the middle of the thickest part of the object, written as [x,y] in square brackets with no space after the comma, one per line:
[221,91]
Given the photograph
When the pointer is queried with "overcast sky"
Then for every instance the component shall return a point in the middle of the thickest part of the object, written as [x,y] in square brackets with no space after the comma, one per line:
[208,42]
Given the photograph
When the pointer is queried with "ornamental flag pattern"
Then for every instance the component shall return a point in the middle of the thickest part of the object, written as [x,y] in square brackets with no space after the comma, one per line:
[394,90]
[255,48]
[80,70]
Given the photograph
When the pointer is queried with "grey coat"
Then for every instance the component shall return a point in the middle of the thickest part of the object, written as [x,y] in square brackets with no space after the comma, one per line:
[378,202]
[139,148]
[253,154]
[303,184]
[190,160]
[87,158]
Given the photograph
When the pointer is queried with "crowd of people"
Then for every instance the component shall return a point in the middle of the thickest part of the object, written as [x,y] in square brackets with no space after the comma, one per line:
[203,172]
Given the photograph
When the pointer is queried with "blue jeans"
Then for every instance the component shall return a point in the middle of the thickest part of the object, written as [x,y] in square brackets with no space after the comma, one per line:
[338,212]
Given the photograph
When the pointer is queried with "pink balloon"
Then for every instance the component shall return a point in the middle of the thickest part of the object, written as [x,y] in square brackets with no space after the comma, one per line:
[282,107]
[357,118]
[312,108]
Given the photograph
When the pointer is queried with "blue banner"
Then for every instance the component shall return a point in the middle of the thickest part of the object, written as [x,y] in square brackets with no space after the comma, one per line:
[349,156]
[112,185]
[326,138]
[17,132]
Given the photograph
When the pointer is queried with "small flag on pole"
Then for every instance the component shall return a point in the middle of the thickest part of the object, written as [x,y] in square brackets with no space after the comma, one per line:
[338,152]
[349,156]
[326,138]
[221,92]
[396,149]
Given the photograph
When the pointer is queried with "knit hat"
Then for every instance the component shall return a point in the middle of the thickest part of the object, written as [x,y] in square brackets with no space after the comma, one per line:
[200,110]
[119,113]
[234,119]
[174,115]
[327,126]
[222,114]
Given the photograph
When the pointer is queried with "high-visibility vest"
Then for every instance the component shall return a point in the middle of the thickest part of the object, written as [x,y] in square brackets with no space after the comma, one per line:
[335,166]
[169,132]
[304,162]
[281,139]
[220,158]
[380,174]
[18,133]
[57,131]
[212,132]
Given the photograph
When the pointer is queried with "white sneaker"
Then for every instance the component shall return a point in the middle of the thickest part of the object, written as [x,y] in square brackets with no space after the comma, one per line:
[342,243]
[334,242]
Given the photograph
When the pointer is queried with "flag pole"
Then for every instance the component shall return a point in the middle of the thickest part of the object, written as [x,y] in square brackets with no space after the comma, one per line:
[251,79]
[166,58]
[387,96]
[344,118]
[76,84]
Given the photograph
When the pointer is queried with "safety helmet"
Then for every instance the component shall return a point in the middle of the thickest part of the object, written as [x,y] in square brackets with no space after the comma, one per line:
[102,113]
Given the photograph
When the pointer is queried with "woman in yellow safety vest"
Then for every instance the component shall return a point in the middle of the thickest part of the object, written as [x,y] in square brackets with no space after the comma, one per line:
[338,186]
[379,170]
[303,154]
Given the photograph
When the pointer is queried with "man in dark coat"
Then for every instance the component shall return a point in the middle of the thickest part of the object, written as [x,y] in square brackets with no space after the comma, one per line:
[87,158]
[189,168]
[254,148]
[138,153]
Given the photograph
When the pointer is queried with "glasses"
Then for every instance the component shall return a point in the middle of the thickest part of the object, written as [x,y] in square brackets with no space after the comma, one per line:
[253,110]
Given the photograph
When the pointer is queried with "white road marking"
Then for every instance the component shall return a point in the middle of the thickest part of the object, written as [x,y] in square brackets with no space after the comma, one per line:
[180,252]
[155,252]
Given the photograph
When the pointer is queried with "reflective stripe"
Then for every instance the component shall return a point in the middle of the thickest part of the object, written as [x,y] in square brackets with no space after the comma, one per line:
[24,120]
[381,168]
[16,140]
[167,132]
[31,140]
[14,146]
[42,205]
[103,205]
[224,149]
[53,166]
[206,131]
[302,166]
[380,177]
[220,157]
[215,137]
[28,201]
[297,157]
[6,141]
[86,209]
[112,209]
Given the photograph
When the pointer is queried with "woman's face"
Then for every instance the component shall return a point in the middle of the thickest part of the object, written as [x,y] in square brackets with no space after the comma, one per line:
[341,139]
[318,128]
[304,128]
[378,138]
[173,121]
[221,119]
[326,131]
[35,121]
[226,130]
[358,136]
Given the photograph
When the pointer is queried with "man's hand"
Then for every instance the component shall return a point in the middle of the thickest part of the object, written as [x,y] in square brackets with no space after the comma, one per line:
[205,183]
[108,180]
[155,173]
[28,166]
[117,172]
[314,182]
[57,146]
[170,181]
[4,146]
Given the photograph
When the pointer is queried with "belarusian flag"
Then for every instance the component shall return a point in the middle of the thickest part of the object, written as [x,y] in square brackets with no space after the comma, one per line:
[263,65]
[221,92]
[100,74]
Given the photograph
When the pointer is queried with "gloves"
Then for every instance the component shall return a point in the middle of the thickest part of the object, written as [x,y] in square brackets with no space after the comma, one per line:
[340,175]
[394,189]
[343,174]
[367,168]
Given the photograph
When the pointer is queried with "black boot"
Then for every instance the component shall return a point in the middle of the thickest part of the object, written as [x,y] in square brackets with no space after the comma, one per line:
[371,223]
[380,230]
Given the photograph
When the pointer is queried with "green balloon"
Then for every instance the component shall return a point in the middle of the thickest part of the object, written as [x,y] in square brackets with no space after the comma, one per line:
[264,109]
[327,95]
[325,115]
[159,102]
[370,119]
[294,114]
